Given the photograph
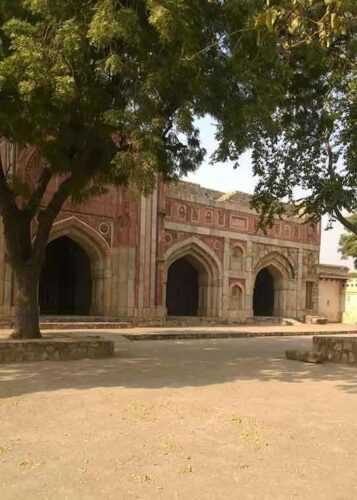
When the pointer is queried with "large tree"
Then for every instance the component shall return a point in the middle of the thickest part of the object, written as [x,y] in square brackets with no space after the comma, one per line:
[306,152]
[106,92]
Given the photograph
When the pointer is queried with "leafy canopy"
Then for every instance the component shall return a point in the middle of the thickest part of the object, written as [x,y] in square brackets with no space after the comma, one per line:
[310,146]
[109,90]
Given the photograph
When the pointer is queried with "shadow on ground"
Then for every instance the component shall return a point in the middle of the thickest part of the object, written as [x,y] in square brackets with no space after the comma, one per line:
[177,364]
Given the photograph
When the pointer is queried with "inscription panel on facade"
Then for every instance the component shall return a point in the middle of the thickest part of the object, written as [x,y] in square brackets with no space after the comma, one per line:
[237,221]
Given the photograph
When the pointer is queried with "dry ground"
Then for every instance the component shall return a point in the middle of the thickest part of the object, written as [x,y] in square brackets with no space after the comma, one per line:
[186,420]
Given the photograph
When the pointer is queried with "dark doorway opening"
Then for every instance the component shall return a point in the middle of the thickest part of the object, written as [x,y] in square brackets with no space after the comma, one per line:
[65,284]
[182,289]
[263,298]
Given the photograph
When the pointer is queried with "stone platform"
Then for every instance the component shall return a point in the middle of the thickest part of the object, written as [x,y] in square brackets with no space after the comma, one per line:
[54,349]
[337,348]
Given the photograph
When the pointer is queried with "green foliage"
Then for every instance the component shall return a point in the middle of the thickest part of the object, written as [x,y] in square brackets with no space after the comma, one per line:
[348,242]
[109,90]
[301,22]
[310,146]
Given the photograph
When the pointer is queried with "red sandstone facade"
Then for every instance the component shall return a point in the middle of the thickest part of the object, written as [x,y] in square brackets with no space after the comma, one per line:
[195,250]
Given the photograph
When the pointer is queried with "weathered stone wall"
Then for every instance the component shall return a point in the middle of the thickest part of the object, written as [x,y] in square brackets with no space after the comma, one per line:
[339,349]
[13,351]
[332,284]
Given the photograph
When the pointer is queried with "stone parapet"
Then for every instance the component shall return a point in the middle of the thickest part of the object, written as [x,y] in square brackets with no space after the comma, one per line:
[332,272]
[14,351]
[337,348]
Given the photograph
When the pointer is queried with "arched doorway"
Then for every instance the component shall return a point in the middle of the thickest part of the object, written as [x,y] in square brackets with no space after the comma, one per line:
[204,277]
[264,293]
[275,287]
[182,293]
[66,282]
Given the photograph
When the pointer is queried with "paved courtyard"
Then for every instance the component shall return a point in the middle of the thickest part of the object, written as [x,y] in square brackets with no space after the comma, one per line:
[180,419]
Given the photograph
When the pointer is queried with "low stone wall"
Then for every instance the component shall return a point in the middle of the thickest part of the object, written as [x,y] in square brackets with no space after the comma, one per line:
[14,351]
[337,348]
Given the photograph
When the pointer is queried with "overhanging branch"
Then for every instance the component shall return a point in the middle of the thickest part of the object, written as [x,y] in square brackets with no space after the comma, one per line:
[345,221]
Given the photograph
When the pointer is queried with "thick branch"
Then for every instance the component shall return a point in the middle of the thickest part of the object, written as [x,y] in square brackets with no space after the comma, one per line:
[47,217]
[36,198]
[7,197]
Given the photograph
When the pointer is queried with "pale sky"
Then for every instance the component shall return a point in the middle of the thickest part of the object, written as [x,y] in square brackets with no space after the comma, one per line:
[224,178]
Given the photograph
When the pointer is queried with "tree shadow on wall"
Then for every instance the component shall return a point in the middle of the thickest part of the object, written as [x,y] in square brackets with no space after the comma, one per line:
[177,364]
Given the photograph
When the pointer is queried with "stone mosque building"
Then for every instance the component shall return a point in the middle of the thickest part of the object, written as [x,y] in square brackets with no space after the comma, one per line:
[182,251]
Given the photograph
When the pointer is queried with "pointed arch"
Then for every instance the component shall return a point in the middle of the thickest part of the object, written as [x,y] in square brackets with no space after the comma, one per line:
[278,263]
[83,234]
[197,248]
[98,251]
[274,278]
[209,269]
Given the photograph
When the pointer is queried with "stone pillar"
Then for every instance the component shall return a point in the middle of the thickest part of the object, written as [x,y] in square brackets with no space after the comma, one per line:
[300,289]
[225,279]
[147,255]
[342,299]
[249,263]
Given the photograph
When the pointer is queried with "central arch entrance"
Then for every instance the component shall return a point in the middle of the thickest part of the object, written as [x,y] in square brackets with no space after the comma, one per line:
[264,293]
[182,289]
[66,282]
[192,282]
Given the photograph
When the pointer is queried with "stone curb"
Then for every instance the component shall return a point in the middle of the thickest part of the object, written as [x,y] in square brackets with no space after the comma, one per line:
[339,349]
[217,335]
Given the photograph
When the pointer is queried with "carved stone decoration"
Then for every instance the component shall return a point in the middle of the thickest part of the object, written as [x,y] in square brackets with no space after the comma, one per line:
[215,243]
[172,237]
[238,221]
[284,257]
[310,261]
[106,230]
[237,258]
[182,212]
[236,295]
[221,218]
[168,238]
[195,214]
[209,216]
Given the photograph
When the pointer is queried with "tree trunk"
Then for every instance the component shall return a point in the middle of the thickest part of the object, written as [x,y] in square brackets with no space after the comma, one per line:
[27,324]
[26,253]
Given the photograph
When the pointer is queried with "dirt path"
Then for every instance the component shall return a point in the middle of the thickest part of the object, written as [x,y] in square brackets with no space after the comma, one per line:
[191,420]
